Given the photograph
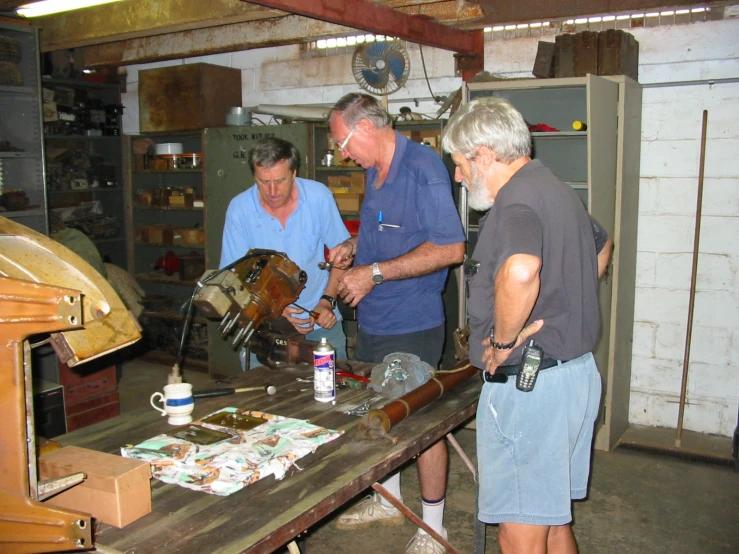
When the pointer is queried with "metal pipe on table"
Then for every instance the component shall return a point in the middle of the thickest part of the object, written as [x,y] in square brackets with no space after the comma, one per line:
[377,423]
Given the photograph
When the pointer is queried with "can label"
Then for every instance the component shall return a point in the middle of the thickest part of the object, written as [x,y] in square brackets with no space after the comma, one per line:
[324,374]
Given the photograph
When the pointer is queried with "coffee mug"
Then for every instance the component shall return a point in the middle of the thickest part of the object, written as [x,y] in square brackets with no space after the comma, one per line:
[178,403]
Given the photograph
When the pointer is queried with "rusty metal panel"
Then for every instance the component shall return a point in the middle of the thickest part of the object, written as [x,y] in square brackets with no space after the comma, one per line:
[187,97]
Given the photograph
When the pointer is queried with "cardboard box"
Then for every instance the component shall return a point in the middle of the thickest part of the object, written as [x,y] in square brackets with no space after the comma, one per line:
[187,97]
[349,201]
[116,491]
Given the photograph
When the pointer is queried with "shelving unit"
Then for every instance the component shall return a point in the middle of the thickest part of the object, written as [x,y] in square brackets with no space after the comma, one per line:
[166,295]
[22,159]
[83,168]
[602,165]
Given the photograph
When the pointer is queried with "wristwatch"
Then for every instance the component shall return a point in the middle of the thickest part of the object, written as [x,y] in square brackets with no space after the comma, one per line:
[498,345]
[377,274]
[331,300]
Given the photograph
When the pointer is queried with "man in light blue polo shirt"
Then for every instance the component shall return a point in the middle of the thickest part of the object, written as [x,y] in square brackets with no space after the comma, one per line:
[298,217]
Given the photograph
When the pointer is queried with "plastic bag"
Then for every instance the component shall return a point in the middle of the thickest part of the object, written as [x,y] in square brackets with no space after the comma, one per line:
[398,374]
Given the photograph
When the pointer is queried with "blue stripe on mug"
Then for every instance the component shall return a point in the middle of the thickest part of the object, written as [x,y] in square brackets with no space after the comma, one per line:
[179,401]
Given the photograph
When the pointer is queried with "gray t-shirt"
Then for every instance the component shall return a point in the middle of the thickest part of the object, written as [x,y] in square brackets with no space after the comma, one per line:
[535,213]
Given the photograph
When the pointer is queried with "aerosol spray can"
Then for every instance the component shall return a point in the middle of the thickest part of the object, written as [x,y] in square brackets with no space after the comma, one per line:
[324,372]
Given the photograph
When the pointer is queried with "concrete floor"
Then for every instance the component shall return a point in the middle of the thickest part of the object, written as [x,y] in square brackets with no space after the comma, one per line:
[638,502]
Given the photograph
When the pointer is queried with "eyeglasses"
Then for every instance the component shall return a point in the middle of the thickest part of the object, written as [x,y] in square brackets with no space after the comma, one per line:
[342,146]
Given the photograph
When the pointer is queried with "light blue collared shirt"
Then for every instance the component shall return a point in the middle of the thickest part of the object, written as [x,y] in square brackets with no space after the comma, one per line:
[315,223]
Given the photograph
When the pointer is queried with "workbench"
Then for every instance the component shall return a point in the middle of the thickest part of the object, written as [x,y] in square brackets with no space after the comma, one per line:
[269,513]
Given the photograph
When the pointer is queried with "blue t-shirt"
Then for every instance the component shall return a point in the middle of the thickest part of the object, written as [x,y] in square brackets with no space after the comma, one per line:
[417,197]
[314,223]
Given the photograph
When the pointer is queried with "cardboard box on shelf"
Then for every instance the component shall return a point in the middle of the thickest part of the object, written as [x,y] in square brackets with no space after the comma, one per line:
[183,98]
[116,490]
[349,201]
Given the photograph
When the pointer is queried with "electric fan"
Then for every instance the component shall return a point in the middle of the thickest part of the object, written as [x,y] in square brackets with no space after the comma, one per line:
[381,68]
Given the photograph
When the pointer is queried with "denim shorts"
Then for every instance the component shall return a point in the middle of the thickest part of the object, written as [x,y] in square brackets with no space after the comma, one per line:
[533,448]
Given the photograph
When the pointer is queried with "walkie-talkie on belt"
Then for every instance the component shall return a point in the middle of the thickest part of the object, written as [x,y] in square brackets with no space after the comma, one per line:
[530,362]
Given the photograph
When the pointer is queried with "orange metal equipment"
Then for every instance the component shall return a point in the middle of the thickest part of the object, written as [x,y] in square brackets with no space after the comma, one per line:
[45,288]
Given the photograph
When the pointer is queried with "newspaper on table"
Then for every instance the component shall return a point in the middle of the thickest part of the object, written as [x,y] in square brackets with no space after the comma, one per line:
[226,467]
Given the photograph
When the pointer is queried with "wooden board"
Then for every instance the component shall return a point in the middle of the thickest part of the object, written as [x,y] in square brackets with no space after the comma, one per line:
[269,513]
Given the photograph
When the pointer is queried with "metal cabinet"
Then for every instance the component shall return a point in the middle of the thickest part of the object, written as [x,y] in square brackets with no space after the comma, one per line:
[602,165]
[84,165]
[21,135]
[227,174]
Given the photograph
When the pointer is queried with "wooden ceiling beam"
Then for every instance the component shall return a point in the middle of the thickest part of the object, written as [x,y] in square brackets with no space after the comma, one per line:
[279,31]
[142,18]
[381,20]
[522,11]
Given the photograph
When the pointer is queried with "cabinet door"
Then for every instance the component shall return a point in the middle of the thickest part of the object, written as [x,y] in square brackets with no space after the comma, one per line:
[602,100]
[227,174]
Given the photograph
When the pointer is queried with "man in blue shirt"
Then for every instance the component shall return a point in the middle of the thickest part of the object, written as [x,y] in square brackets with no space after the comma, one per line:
[298,217]
[410,233]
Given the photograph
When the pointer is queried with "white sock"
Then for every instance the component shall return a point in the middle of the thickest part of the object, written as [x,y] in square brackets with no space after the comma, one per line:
[392,484]
[433,514]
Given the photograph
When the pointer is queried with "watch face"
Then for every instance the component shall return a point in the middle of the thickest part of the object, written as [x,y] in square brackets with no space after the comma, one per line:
[377,279]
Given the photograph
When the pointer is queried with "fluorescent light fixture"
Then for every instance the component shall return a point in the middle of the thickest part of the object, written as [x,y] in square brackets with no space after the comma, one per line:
[48,7]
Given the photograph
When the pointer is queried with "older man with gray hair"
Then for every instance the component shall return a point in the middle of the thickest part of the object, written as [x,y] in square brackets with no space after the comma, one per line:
[534,320]
[410,233]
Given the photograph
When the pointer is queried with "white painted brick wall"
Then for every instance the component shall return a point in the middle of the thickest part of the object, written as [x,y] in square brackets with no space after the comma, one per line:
[671,120]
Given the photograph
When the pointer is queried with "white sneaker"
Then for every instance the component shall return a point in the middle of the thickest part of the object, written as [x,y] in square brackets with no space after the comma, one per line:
[368,512]
[423,543]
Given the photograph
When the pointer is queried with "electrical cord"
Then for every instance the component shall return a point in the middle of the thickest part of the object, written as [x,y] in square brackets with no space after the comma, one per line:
[423,63]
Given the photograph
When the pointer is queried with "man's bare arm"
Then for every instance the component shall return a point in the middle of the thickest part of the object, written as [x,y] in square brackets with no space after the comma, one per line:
[425,259]
[604,257]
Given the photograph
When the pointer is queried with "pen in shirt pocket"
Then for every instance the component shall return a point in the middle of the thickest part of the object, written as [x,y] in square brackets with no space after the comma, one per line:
[381,226]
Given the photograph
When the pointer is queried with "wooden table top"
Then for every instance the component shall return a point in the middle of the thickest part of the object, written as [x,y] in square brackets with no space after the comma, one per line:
[269,513]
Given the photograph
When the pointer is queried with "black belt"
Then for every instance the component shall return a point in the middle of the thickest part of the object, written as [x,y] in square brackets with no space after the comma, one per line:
[505,371]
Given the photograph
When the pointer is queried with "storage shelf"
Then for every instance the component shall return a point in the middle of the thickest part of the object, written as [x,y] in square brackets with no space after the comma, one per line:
[89,189]
[172,245]
[20,155]
[23,213]
[82,137]
[19,90]
[170,208]
[78,83]
[561,134]
[164,280]
[338,168]
[169,171]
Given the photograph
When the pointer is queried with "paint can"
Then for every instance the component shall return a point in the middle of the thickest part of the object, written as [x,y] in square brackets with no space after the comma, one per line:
[324,372]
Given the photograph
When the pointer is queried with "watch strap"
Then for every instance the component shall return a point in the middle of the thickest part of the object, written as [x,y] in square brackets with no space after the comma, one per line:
[500,345]
[330,299]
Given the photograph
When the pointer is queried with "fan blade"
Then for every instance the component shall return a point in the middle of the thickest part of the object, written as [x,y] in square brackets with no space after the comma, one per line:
[396,66]
[375,78]
[376,49]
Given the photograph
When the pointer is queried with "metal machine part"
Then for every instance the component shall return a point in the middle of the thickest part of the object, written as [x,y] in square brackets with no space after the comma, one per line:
[45,288]
[258,289]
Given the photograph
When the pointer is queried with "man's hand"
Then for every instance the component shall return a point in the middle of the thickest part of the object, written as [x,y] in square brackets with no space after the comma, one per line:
[341,255]
[326,316]
[493,357]
[303,326]
[355,284]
